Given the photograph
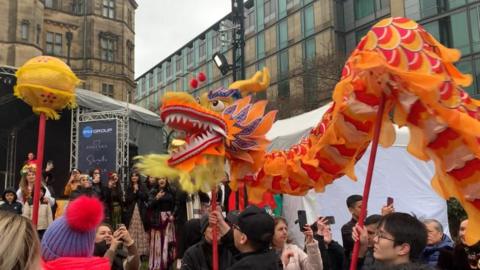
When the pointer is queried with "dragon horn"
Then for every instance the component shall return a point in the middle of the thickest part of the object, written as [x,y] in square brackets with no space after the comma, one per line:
[258,82]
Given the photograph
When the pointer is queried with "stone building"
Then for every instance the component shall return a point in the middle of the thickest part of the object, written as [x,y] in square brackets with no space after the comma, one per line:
[96,37]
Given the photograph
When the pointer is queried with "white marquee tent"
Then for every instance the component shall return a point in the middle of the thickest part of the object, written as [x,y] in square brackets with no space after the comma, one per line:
[397,174]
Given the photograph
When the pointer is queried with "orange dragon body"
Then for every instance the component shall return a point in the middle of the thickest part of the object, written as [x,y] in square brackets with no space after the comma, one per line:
[398,59]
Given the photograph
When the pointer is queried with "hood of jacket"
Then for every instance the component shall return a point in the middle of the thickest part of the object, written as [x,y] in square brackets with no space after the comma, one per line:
[9,190]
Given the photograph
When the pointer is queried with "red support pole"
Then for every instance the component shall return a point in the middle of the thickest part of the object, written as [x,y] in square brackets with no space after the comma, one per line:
[38,171]
[214,232]
[368,180]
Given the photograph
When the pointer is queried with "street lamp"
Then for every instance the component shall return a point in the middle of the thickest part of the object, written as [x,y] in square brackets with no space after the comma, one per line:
[222,63]
[69,36]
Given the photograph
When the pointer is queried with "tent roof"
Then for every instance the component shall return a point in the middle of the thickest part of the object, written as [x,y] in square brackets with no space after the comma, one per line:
[99,102]
[287,132]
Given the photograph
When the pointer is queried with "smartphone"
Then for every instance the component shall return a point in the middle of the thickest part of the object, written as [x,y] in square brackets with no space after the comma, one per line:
[330,220]
[389,201]
[302,219]
[119,225]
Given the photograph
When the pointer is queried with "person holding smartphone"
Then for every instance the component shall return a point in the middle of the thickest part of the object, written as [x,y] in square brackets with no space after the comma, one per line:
[292,257]
[117,246]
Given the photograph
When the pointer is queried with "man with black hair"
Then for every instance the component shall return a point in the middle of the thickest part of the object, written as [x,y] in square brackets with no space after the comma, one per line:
[354,204]
[400,239]
[199,256]
[250,238]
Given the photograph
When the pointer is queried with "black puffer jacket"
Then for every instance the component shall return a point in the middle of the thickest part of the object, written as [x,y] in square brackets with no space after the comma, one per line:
[15,206]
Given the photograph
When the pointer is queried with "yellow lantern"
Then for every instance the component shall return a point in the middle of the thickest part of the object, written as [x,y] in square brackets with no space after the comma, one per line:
[47,84]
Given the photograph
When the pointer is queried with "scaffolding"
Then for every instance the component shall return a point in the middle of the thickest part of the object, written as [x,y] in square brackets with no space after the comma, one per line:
[7,78]
[81,114]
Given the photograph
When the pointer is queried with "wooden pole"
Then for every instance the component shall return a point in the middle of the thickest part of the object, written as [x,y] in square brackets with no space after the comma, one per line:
[214,232]
[368,181]
[38,171]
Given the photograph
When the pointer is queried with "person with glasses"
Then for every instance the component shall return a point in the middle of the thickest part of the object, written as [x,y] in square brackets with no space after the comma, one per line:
[399,239]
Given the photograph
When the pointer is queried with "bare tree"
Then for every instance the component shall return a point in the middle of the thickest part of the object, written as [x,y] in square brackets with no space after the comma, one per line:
[319,76]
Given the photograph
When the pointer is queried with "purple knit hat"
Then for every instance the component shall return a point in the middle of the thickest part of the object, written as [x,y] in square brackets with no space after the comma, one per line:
[73,235]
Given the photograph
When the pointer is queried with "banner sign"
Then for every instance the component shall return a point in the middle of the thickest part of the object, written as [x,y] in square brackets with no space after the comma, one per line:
[97,146]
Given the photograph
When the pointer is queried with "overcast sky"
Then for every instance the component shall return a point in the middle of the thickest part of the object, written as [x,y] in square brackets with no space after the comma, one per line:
[163,26]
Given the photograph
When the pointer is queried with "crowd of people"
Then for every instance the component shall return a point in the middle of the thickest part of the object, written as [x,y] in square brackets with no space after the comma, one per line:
[150,224]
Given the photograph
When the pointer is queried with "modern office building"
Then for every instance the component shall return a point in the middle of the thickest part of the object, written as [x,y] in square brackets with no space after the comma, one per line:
[96,37]
[303,43]
[455,23]
[281,35]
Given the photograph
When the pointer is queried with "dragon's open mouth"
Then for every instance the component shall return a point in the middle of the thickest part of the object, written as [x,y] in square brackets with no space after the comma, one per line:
[203,130]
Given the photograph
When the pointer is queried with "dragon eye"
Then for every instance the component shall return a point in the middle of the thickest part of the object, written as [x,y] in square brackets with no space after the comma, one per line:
[218,105]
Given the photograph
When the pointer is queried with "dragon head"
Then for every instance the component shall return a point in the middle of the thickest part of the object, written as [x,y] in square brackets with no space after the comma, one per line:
[221,123]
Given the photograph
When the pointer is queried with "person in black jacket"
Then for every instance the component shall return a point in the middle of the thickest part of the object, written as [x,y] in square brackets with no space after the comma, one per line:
[10,202]
[354,204]
[332,252]
[97,187]
[136,199]
[249,239]
[199,256]
[114,200]
[161,204]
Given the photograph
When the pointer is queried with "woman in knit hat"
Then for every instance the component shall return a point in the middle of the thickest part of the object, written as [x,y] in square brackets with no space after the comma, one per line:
[69,241]
[19,244]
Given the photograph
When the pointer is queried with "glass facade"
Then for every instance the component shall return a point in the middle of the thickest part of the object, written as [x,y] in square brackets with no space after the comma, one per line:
[364,8]
[279,34]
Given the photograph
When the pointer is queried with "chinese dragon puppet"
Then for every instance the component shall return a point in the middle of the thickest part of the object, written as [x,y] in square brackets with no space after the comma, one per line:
[397,59]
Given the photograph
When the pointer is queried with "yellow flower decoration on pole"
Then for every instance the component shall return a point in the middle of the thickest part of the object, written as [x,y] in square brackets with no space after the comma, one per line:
[47,84]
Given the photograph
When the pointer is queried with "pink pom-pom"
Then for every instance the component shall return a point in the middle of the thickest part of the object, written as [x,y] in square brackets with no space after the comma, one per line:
[84,213]
[194,83]
[201,77]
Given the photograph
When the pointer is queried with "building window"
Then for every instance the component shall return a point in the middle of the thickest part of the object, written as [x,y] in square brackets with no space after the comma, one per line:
[261,45]
[39,31]
[292,4]
[250,21]
[107,90]
[159,76]
[309,51]
[130,17]
[202,50]
[309,20]
[24,30]
[150,82]
[109,9]
[475,25]
[364,8]
[284,89]
[283,34]
[216,43]
[107,46]
[144,86]
[130,53]
[178,64]
[190,57]
[283,64]
[50,3]
[459,38]
[451,32]
[465,66]
[269,10]
[77,7]
[53,44]
[168,70]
